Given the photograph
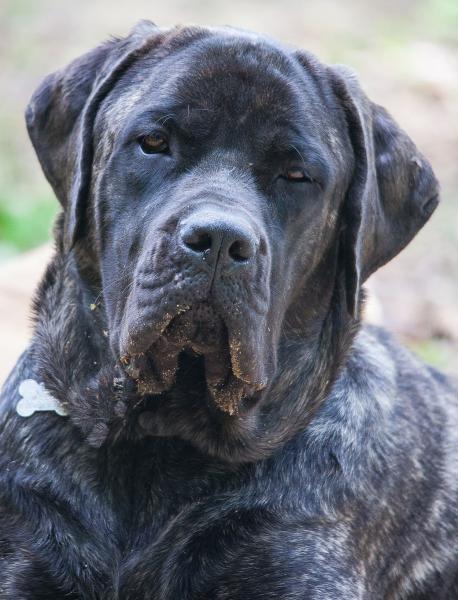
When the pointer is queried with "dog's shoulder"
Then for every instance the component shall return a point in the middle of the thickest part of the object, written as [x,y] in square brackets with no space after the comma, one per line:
[386,419]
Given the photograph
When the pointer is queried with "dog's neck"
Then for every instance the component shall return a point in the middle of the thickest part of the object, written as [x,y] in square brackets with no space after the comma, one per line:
[75,363]
[71,350]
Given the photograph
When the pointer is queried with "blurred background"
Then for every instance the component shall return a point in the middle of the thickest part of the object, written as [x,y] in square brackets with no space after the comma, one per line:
[406,53]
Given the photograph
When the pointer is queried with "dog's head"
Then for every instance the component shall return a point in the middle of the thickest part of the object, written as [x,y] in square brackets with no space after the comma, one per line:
[220,187]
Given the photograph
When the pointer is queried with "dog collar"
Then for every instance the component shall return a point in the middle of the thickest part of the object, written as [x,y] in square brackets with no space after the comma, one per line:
[36,398]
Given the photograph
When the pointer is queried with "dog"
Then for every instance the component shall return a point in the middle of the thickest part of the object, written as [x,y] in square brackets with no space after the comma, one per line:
[201,413]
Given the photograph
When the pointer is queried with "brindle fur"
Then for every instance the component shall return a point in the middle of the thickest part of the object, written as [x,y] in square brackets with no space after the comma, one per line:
[337,479]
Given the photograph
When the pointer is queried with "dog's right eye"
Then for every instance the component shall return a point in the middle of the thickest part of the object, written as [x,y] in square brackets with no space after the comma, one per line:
[153,144]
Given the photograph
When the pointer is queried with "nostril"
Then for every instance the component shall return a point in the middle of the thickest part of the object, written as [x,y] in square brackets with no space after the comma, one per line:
[199,242]
[240,251]
[225,241]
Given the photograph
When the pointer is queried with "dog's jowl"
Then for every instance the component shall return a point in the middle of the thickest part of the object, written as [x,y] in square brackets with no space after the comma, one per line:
[201,413]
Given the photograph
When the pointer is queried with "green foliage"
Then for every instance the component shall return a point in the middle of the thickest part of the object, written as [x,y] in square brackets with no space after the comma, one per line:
[439,353]
[24,225]
[440,17]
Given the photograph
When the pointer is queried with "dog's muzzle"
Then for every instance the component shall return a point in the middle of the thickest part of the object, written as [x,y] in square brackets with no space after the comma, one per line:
[202,288]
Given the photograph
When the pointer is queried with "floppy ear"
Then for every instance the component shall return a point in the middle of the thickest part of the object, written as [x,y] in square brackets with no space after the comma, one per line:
[393,191]
[61,114]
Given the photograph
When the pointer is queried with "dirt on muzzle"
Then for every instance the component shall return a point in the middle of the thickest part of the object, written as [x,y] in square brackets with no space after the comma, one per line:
[203,331]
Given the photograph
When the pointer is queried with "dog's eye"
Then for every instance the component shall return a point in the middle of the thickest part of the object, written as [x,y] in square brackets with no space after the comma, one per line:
[297,175]
[153,143]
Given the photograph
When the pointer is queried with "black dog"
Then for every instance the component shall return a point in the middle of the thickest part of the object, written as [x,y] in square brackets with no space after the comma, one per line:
[232,431]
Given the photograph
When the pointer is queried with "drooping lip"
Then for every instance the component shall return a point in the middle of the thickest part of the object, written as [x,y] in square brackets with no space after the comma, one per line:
[140,334]
[233,366]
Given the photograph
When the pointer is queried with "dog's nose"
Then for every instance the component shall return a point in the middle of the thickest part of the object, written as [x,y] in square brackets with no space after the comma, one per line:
[224,240]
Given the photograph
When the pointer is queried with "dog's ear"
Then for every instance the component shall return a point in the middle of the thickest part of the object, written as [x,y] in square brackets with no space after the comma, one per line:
[61,113]
[393,190]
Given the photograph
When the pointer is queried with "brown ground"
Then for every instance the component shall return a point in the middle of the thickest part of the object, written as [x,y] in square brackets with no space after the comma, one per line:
[406,55]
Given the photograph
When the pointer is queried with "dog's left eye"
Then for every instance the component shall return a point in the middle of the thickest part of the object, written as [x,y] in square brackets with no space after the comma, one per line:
[296,175]
[153,143]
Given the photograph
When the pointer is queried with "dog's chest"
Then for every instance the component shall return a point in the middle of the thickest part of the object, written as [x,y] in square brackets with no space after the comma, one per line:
[185,526]
[167,516]
[192,552]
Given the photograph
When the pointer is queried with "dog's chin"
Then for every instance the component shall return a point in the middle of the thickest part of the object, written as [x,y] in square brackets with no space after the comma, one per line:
[164,366]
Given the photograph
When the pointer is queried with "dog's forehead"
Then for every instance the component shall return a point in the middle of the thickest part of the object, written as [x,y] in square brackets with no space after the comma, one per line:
[215,70]
[228,75]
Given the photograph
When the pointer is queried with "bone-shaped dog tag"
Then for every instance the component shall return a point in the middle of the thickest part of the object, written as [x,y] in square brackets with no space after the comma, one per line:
[35,397]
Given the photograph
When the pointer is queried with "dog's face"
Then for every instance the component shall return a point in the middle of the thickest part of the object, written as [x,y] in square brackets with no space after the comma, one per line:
[217,189]
[223,187]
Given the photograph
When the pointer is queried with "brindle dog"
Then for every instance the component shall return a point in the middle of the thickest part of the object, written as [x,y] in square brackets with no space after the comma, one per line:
[233,431]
